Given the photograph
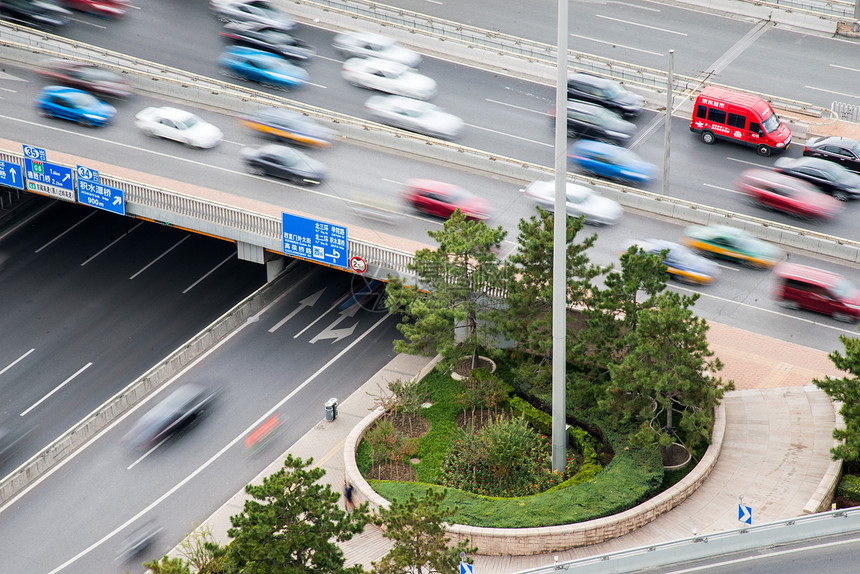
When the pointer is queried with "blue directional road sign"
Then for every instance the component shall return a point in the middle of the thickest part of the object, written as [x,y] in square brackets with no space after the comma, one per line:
[47,178]
[315,240]
[92,192]
[11,175]
[465,568]
[745,513]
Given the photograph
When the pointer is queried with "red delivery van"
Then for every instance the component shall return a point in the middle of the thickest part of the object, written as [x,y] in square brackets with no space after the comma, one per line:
[738,117]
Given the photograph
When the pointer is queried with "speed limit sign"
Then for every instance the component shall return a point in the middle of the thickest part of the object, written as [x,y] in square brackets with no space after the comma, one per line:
[358,264]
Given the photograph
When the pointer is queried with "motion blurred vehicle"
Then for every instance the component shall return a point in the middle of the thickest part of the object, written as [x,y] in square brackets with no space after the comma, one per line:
[610,161]
[285,163]
[788,194]
[681,263]
[289,126]
[595,122]
[75,105]
[732,244]
[829,177]
[178,125]
[387,76]
[605,92]
[174,413]
[259,11]
[415,115]
[799,286]
[43,14]
[104,8]
[579,201]
[844,151]
[88,77]
[369,45]
[443,199]
[262,67]
[274,40]
[138,540]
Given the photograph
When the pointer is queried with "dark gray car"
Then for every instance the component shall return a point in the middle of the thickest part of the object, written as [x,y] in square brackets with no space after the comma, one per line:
[597,123]
[604,92]
[270,39]
[829,177]
[172,414]
[844,151]
[284,162]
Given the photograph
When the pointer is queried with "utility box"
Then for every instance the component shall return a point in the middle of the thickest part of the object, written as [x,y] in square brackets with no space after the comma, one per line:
[331,409]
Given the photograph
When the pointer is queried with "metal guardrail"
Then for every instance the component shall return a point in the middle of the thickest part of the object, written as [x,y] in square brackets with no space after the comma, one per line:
[849,112]
[828,8]
[696,547]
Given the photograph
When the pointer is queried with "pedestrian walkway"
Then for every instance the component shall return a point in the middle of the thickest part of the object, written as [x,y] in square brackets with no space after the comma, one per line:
[775,450]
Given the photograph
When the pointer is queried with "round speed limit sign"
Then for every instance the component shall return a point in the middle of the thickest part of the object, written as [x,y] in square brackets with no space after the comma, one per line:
[358,264]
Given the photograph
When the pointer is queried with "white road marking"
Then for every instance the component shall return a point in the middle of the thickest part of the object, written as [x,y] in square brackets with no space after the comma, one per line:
[510,135]
[539,112]
[112,243]
[16,361]
[93,24]
[57,388]
[636,6]
[66,231]
[628,22]
[845,94]
[844,68]
[153,262]
[326,312]
[722,188]
[210,272]
[616,44]
[746,162]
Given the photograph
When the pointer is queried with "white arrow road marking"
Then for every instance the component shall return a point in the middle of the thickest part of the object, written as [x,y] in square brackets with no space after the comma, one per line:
[306,302]
[327,311]
[337,334]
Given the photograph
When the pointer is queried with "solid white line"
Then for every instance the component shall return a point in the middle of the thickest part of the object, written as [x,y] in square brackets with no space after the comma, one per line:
[636,6]
[66,231]
[722,188]
[539,112]
[844,68]
[154,261]
[335,304]
[112,243]
[831,92]
[211,271]
[746,162]
[217,455]
[57,388]
[16,361]
[617,45]
[641,25]
[509,135]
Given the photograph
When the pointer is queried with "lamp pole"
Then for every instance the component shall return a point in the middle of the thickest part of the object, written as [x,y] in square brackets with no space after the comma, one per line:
[668,132]
[559,256]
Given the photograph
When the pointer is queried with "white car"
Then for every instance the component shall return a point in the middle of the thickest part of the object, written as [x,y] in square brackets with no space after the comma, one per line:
[580,200]
[369,45]
[414,115]
[257,11]
[178,125]
[389,77]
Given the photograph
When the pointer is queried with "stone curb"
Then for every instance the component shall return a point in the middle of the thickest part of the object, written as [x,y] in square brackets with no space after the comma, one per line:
[527,541]
[826,490]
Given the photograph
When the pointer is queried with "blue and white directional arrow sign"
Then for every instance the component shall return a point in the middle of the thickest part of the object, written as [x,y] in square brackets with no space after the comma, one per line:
[92,192]
[745,513]
[47,178]
[11,175]
[315,240]
[465,568]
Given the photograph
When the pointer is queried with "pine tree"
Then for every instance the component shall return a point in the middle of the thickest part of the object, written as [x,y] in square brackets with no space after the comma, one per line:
[846,390]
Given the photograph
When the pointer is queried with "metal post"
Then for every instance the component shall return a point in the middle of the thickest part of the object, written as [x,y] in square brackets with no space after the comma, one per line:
[668,133]
[559,259]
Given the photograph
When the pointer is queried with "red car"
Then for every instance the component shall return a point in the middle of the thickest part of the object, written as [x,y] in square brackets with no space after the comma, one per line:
[104,8]
[87,77]
[443,199]
[789,194]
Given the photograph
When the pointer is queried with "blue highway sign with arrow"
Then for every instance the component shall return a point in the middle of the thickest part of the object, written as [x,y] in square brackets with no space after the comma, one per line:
[315,240]
[47,178]
[92,192]
[11,175]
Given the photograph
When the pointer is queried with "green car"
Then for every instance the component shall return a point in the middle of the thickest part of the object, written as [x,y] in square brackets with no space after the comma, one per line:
[724,242]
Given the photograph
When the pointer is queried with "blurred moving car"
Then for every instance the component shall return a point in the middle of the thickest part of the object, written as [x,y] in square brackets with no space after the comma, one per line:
[369,45]
[788,194]
[289,126]
[88,77]
[443,199]
[274,40]
[732,244]
[596,122]
[799,286]
[844,151]
[138,540]
[259,11]
[178,125]
[414,115]
[605,92]
[387,76]
[43,14]
[74,105]
[827,176]
[579,201]
[262,67]
[681,263]
[104,8]
[171,415]
[285,163]
[610,161]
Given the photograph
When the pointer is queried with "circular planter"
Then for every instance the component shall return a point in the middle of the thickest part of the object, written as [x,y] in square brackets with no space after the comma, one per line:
[483,361]
[675,456]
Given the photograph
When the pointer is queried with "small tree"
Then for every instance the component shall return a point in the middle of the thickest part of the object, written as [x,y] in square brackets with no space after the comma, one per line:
[202,551]
[168,566]
[846,390]
[293,525]
[461,277]
[417,527]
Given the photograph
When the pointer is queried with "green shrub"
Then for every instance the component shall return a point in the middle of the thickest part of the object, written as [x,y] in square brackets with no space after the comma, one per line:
[849,487]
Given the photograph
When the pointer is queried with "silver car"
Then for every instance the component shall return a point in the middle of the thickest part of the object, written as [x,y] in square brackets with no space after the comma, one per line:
[415,115]
[258,11]
[369,45]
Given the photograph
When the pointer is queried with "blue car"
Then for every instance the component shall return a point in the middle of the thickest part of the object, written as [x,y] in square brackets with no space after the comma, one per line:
[75,105]
[610,161]
[682,264]
[262,67]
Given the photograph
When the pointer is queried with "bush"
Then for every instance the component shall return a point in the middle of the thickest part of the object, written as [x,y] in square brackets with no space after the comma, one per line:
[849,487]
